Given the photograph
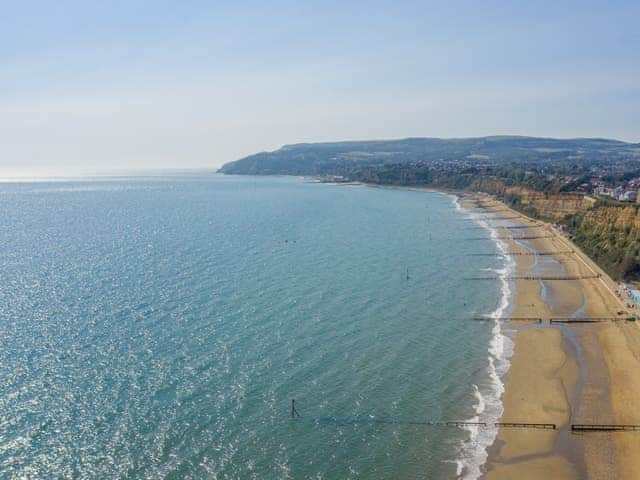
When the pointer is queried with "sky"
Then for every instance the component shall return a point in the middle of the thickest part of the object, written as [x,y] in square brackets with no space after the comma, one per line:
[89,87]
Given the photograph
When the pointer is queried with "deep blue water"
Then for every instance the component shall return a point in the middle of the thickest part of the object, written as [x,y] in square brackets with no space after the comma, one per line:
[159,327]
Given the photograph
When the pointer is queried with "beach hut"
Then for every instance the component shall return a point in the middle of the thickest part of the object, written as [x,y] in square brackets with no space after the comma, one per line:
[634,293]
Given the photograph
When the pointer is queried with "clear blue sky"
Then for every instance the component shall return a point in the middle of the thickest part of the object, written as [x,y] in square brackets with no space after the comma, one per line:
[93,86]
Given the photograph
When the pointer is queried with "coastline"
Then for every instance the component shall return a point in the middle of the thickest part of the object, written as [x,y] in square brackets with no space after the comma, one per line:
[501,454]
[489,409]
[560,373]
[568,373]
[474,452]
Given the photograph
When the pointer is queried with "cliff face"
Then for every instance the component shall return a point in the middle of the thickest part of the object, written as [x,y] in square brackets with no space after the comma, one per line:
[555,206]
[611,236]
[608,233]
[614,218]
[539,204]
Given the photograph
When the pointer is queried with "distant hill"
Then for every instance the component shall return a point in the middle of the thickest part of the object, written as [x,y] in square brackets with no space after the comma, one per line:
[343,157]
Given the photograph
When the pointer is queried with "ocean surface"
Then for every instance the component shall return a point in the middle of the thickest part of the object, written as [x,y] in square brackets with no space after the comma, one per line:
[159,327]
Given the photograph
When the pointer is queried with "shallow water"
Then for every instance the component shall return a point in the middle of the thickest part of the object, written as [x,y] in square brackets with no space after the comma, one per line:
[159,328]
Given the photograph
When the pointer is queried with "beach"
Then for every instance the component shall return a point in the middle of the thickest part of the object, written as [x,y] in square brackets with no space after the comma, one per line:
[564,373]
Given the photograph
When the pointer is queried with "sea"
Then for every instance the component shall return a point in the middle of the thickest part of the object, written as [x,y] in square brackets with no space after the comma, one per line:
[160,326]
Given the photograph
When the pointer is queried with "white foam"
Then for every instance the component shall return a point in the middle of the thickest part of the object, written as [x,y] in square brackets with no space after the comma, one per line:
[481,405]
[473,451]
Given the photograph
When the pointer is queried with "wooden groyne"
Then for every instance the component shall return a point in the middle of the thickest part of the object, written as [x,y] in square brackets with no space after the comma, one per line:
[544,426]
[512,217]
[592,320]
[529,237]
[576,427]
[513,254]
[516,227]
[567,320]
[552,321]
[489,204]
[486,216]
[540,426]
[577,320]
[363,422]
[466,424]
[507,319]
[506,227]
[539,277]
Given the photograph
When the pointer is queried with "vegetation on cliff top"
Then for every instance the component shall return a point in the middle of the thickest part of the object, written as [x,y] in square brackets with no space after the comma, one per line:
[610,237]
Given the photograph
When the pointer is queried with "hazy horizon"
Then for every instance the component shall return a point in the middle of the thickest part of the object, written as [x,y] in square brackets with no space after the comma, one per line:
[172,171]
[132,86]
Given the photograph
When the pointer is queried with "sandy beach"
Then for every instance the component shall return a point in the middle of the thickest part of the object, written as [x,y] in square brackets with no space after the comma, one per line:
[566,373]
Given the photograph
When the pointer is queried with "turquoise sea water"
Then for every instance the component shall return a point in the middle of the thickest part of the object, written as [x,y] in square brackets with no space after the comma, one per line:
[159,328]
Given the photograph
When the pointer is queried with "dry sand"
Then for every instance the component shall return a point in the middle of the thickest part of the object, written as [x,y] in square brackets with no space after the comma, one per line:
[563,374]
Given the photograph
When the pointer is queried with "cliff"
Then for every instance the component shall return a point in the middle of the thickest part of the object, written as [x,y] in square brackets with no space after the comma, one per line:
[611,236]
[608,232]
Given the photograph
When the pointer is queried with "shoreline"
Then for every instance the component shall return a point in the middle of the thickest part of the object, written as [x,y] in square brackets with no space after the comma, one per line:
[483,460]
[543,375]
[562,373]
[566,374]
[499,351]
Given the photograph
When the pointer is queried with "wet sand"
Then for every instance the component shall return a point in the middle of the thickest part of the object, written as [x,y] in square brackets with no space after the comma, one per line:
[563,374]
